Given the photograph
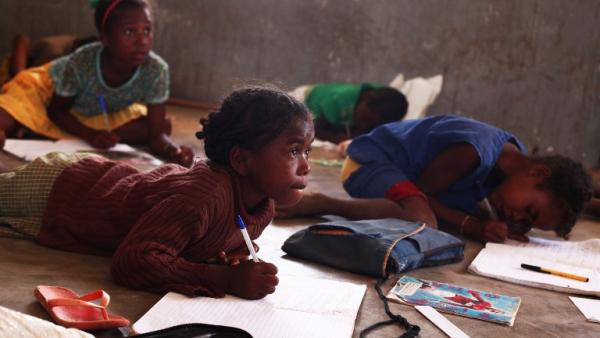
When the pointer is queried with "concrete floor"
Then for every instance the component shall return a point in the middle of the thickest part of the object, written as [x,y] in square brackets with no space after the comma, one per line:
[23,265]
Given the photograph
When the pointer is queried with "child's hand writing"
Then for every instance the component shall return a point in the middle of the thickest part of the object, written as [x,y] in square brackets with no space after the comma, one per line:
[517,232]
[103,139]
[251,280]
[234,257]
[494,231]
[486,230]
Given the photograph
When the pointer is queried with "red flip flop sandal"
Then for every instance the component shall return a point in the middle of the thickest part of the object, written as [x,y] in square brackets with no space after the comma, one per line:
[71,310]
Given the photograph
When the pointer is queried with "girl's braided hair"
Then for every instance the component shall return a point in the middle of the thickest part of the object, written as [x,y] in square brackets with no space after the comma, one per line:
[249,118]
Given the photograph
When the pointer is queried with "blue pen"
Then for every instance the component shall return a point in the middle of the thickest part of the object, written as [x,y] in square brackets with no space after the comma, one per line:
[240,223]
[102,104]
[486,203]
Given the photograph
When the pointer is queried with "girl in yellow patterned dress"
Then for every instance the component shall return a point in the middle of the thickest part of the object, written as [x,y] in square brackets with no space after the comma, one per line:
[95,93]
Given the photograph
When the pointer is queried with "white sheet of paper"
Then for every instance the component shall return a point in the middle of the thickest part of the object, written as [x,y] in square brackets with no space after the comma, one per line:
[503,261]
[32,149]
[29,150]
[300,307]
[589,307]
[440,321]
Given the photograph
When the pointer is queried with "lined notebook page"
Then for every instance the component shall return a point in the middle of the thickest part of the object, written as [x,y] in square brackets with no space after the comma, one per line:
[300,307]
[503,261]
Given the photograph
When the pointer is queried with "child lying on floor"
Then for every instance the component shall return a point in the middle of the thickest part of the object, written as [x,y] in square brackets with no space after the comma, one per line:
[343,111]
[443,168]
[164,228]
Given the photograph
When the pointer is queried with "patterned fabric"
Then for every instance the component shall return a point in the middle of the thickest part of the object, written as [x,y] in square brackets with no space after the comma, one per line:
[27,95]
[24,192]
[79,75]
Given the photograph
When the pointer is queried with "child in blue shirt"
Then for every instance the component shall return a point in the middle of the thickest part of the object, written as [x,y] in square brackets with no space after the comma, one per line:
[442,168]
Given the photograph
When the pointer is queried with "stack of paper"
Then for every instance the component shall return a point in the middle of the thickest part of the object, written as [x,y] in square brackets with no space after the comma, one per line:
[300,307]
[503,261]
[589,307]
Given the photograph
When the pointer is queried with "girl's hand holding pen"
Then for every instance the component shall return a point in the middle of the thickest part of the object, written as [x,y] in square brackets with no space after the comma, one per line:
[250,280]
[233,257]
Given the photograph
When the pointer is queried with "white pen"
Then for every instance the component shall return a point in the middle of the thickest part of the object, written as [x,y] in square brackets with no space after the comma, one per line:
[486,204]
[244,231]
[490,210]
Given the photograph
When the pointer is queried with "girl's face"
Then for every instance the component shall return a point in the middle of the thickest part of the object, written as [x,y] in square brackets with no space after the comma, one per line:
[521,203]
[280,169]
[129,37]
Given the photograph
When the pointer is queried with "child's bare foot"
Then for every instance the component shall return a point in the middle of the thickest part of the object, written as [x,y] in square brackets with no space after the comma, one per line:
[310,204]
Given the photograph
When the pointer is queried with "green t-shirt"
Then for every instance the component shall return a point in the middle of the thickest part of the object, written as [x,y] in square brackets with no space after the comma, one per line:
[335,102]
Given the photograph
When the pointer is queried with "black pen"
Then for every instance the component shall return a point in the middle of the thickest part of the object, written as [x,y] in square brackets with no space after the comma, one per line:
[555,272]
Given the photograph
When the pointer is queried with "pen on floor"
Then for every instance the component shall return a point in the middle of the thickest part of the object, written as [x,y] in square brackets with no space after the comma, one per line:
[240,223]
[486,203]
[102,104]
[554,272]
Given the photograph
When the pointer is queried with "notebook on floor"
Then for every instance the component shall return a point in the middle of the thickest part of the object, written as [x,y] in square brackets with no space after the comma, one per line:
[300,307]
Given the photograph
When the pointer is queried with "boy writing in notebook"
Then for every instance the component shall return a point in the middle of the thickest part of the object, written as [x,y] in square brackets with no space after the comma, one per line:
[441,169]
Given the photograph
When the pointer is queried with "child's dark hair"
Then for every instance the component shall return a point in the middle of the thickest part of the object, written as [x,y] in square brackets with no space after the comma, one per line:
[388,102]
[569,182]
[249,118]
[105,11]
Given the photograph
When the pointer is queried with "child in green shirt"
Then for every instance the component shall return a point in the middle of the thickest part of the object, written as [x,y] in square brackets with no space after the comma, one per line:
[344,111]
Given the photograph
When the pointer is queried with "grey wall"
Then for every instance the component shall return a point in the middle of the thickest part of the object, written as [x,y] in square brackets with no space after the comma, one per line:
[532,67]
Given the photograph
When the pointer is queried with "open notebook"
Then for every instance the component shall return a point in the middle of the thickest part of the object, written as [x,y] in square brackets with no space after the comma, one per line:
[300,307]
[29,150]
[503,261]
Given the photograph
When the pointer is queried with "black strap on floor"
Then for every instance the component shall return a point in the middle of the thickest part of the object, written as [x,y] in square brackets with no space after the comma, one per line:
[411,330]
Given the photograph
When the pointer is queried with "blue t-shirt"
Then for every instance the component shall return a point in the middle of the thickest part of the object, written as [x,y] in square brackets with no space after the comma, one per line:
[401,150]
[79,75]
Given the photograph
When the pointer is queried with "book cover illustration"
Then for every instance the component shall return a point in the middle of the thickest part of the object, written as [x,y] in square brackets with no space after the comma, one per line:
[456,300]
